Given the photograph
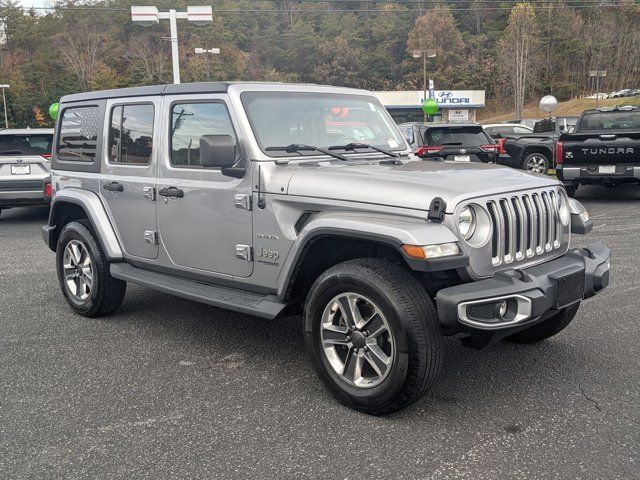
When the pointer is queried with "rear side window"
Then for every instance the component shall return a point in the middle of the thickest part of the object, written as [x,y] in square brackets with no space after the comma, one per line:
[39,144]
[611,121]
[190,121]
[469,136]
[131,134]
[78,137]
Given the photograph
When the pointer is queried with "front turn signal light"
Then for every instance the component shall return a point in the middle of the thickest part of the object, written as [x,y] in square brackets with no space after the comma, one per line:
[424,252]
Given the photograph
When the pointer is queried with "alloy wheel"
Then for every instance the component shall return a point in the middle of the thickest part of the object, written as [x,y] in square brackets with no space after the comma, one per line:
[78,270]
[537,164]
[357,340]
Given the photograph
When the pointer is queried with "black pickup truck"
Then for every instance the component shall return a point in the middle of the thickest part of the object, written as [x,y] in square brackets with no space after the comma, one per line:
[604,148]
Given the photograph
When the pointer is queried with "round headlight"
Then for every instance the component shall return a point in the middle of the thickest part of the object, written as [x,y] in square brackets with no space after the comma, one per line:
[466,222]
[564,211]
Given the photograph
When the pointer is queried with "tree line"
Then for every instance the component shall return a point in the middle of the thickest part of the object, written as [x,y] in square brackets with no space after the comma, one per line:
[515,51]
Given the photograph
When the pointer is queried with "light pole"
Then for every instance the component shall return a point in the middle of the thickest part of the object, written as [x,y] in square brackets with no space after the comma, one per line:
[4,104]
[598,74]
[430,53]
[147,16]
[199,50]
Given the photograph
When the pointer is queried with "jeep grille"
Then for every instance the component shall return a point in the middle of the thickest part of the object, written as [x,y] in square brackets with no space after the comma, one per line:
[524,226]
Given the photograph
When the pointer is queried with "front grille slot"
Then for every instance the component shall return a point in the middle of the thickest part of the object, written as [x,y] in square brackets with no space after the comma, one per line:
[524,226]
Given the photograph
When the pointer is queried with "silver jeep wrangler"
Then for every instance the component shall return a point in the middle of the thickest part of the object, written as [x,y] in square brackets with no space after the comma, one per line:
[274,199]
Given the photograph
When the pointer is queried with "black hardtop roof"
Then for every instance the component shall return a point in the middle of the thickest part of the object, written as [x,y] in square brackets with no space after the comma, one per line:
[201,87]
[197,87]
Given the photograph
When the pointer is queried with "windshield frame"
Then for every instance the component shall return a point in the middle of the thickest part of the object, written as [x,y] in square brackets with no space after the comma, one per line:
[271,154]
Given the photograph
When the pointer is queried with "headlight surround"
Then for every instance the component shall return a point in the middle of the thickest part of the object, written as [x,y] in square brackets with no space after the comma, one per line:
[467,222]
[474,224]
[564,210]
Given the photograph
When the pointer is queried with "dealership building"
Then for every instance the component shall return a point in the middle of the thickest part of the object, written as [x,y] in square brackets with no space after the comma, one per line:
[454,105]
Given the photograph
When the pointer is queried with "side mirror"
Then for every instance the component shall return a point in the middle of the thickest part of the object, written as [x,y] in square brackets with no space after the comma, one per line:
[217,151]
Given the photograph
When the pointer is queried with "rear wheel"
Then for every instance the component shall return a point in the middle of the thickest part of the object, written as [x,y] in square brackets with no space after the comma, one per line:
[548,328]
[83,272]
[536,163]
[372,334]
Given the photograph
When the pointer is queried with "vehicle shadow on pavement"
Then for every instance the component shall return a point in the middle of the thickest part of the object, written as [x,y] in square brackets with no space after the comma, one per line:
[471,381]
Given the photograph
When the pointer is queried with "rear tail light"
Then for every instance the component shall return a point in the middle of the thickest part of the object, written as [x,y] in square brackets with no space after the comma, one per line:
[559,153]
[422,151]
[501,149]
[48,190]
[489,148]
[46,156]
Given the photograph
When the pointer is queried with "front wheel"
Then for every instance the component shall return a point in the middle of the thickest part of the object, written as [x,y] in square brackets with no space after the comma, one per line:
[536,163]
[548,328]
[372,334]
[83,272]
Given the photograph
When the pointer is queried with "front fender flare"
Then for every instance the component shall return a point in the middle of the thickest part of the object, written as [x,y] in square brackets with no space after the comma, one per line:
[386,229]
[96,213]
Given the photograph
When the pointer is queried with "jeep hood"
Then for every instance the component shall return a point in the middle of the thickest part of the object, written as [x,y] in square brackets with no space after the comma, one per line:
[413,184]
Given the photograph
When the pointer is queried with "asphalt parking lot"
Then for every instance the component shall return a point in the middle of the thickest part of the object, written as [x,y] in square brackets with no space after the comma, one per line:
[167,388]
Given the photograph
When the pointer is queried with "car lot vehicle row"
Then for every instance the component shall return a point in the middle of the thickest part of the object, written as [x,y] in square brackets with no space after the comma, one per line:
[273,199]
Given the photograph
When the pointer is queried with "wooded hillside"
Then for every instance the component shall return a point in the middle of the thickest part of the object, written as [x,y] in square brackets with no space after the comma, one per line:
[79,46]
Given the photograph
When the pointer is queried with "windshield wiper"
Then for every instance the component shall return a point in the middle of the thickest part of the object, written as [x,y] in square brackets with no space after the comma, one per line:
[355,146]
[451,143]
[11,152]
[297,148]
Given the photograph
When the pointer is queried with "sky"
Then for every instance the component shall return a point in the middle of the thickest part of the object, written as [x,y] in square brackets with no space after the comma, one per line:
[35,3]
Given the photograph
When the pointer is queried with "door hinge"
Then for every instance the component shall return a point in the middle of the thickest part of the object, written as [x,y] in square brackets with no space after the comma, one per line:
[245,252]
[151,237]
[149,192]
[242,200]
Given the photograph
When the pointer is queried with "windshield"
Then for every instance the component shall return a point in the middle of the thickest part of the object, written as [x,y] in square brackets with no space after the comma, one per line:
[11,144]
[468,136]
[319,119]
[611,120]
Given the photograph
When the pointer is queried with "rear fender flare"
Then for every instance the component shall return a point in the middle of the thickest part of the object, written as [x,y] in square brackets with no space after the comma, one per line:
[96,213]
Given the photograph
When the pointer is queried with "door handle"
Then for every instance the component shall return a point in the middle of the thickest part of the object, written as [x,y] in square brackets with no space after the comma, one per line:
[171,192]
[114,187]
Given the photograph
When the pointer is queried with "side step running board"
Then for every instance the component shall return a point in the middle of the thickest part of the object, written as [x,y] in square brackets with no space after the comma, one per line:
[266,306]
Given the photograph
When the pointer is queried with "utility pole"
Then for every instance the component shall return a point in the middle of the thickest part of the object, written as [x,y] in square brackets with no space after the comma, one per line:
[147,16]
[598,74]
[4,104]
[214,51]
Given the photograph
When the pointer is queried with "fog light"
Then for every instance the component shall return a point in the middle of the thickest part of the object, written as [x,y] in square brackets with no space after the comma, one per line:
[502,309]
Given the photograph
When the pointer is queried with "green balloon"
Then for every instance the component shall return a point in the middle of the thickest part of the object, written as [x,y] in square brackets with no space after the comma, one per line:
[53,110]
[430,106]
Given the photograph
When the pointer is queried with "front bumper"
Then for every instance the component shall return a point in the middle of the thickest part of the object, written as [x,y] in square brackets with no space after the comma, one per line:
[530,295]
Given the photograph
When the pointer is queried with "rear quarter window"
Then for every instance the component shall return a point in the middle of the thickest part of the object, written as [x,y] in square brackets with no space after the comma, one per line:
[78,134]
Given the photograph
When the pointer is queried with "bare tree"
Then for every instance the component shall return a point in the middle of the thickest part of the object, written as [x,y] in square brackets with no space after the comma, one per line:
[518,50]
[81,51]
[149,56]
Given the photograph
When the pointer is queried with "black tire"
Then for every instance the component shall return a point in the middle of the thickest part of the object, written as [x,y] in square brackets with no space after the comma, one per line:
[412,320]
[531,157]
[571,190]
[106,293]
[548,328]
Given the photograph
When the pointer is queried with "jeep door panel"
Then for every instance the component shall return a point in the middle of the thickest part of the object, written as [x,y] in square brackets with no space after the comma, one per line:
[200,225]
[130,158]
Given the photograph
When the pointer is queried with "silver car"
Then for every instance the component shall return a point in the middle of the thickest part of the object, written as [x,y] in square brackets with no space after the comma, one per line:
[25,158]
[274,199]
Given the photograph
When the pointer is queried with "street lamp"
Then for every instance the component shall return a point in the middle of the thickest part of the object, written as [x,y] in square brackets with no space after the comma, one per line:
[199,50]
[598,74]
[4,104]
[418,53]
[204,50]
[147,16]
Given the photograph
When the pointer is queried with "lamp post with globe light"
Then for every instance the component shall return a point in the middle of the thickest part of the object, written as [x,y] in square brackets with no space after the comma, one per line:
[4,104]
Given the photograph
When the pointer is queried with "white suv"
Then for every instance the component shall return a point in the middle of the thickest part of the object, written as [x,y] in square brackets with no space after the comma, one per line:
[25,156]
